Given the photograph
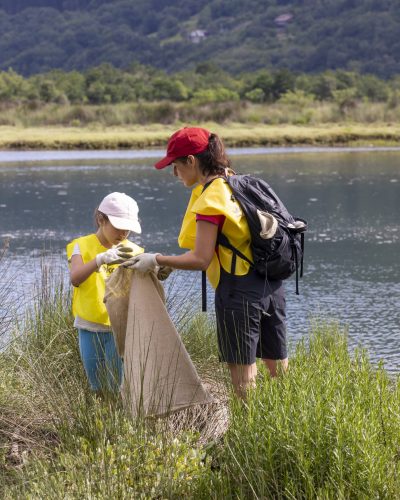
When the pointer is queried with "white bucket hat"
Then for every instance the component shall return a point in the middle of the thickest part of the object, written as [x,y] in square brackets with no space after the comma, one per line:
[122,211]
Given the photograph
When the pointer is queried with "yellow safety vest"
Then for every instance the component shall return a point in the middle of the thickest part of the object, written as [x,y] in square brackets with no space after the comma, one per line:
[87,299]
[217,200]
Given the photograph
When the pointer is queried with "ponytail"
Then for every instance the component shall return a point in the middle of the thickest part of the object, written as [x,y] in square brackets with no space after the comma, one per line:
[214,159]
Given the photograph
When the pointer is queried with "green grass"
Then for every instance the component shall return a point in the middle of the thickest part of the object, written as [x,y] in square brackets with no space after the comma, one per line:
[234,135]
[328,429]
[146,125]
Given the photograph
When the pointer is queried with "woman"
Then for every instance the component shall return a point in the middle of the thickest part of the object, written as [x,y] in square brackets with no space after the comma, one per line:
[250,310]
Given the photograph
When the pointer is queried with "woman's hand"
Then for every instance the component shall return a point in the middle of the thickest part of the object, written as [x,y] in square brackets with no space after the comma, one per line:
[144,262]
[164,272]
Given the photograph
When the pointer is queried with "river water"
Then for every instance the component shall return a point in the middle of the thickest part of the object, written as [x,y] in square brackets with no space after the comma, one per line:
[349,197]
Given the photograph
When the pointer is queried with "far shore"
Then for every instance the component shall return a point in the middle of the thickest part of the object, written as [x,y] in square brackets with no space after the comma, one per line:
[233,134]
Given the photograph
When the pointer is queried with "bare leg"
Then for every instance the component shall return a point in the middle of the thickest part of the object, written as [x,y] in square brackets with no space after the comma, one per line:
[243,377]
[272,365]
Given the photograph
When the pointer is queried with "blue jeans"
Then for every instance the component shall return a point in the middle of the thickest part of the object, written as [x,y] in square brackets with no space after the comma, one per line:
[100,359]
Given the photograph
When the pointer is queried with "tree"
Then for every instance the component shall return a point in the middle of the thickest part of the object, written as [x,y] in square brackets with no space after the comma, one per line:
[283,81]
[12,86]
[167,88]
[324,86]
[371,87]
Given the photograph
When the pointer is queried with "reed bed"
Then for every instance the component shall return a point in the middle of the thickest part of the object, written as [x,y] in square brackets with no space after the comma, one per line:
[145,125]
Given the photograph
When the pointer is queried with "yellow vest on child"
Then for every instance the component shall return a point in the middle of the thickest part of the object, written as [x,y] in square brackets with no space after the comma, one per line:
[87,299]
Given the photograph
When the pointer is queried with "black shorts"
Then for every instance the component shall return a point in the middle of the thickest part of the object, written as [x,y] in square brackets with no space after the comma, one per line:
[251,318]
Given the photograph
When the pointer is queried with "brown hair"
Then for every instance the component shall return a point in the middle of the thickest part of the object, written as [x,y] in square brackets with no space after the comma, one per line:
[99,217]
[214,160]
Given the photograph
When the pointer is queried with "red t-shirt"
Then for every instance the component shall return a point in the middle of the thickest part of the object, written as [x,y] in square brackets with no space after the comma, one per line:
[218,220]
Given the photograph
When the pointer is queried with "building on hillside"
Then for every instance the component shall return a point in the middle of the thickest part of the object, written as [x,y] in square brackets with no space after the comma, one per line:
[197,36]
[282,20]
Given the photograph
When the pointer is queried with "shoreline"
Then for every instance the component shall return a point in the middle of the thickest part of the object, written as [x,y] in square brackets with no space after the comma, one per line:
[234,135]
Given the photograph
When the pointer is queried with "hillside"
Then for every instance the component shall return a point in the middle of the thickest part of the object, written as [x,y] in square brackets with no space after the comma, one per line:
[238,35]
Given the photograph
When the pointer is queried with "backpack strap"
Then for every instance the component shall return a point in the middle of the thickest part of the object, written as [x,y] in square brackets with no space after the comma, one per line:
[224,241]
[296,262]
[203,291]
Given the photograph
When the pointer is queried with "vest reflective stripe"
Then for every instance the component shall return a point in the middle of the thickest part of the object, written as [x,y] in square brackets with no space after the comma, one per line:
[217,200]
[87,299]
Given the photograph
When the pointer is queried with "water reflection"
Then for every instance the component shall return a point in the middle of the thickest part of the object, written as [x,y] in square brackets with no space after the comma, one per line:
[350,199]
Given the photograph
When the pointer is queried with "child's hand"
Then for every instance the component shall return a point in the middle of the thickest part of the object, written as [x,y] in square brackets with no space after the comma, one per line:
[115,255]
[108,257]
[124,252]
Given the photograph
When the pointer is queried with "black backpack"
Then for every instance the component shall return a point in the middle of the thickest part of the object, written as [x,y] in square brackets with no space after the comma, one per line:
[277,257]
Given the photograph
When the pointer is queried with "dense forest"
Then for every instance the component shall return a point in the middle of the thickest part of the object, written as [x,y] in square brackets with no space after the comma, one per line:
[237,35]
[207,83]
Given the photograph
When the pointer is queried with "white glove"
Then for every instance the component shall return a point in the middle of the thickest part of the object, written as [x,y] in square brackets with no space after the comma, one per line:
[144,262]
[115,255]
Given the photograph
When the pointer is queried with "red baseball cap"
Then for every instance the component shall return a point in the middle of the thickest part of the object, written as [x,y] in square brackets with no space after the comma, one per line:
[184,142]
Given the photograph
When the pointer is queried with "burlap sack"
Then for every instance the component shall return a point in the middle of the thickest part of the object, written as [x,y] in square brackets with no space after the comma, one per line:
[159,376]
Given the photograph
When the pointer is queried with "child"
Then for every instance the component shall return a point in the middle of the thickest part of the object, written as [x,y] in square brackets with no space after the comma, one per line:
[92,259]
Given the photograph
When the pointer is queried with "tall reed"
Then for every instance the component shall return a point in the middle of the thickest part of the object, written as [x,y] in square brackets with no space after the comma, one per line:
[327,429]
[58,439]
[296,111]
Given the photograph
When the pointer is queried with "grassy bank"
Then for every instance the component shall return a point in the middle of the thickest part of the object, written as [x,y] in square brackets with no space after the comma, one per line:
[234,135]
[145,125]
[328,429]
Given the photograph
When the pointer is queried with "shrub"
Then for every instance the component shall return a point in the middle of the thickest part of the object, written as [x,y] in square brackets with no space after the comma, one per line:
[219,94]
[327,429]
[255,95]
[298,99]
